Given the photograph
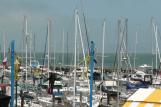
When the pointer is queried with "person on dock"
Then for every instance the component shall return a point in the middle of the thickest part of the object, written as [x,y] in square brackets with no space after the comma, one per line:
[51,79]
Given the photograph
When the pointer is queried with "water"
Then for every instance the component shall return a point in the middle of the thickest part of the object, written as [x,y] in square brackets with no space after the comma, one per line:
[109,59]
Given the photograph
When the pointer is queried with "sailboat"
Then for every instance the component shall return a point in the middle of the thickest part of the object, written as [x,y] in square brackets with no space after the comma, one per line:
[81,85]
[157,77]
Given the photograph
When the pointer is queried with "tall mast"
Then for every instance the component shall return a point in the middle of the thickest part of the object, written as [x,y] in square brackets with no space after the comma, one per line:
[135,49]
[54,54]
[78,47]
[48,39]
[67,50]
[80,31]
[155,34]
[4,44]
[34,44]
[26,35]
[0,53]
[156,47]
[118,59]
[63,49]
[4,54]
[75,54]
[23,39]
[157,51]
[104,28]
[54,49]
[49,29]
[30,47]
[152,34]
[54,57]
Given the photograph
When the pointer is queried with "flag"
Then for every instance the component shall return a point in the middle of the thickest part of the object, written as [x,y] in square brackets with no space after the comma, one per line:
[4,61]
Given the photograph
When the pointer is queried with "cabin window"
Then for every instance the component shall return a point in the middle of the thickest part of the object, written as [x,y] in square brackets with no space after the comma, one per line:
[139,76]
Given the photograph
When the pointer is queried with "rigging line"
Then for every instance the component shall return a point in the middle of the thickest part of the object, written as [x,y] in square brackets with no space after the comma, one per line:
[156,34]
[156,37]
[116,52]
[126,62]
[45,50]
[67,51]
[158,45]
[69,32]
[119,43]
[0,52]
[80,31]
[127,55]
[159,50]
[87,38]
[34,44]
[159,34]
[85,25]
[72,22]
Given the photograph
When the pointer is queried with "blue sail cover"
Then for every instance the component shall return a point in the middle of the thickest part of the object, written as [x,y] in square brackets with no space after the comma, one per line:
[136,85]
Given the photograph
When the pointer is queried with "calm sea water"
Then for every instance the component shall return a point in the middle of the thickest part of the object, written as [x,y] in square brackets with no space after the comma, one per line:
[109,59]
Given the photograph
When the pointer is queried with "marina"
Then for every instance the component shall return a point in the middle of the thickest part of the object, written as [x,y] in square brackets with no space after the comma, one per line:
[36,93]
[77,54]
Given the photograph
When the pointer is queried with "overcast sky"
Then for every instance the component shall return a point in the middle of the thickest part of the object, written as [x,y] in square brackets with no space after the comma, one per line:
[138,13]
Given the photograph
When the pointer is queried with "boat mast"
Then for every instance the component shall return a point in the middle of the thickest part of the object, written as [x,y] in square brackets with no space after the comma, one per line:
[80,31]
[63,49]
[157,46]
[155,31]
[152,34]
[26,36]
[118,59]
[103,39]
[0,53]
[155,34]
[54,54]
[54,57]
[135,49]
[75,54]
[122,52]
[157,51]
[34,44]
[30,47]
[49,29]
[67,50]
[4,49]
[78,47]
[4,55]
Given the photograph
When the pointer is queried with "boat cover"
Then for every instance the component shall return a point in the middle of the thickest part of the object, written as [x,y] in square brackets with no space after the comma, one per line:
[150,97]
